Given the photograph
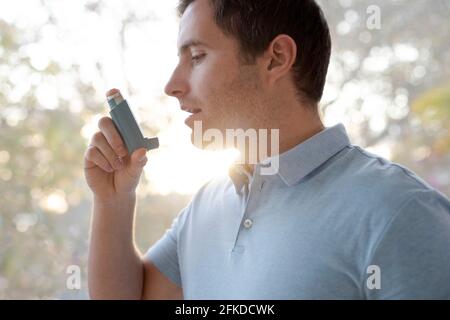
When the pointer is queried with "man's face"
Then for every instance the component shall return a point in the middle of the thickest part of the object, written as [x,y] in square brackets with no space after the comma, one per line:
[210,77]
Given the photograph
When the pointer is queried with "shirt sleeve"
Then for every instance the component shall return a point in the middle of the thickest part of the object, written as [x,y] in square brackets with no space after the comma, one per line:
[164,253]
[413,253]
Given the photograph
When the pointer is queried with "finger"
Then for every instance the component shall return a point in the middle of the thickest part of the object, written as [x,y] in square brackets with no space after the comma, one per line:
[113,137]
[93,157]
[108,153]
[138,160]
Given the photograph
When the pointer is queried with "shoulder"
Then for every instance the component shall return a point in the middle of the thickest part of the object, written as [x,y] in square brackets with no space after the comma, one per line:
[380,181]
[374,190]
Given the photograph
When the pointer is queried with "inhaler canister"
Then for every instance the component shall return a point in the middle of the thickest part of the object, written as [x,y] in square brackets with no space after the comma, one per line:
[126,124]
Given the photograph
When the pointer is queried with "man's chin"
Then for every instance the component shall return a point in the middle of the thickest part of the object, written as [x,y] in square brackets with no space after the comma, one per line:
[206,138]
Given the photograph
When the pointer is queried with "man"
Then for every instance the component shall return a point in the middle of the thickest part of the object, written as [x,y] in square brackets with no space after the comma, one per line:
[333,221]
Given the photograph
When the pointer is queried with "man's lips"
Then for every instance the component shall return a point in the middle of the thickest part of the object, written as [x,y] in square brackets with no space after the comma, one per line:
[190,110]
[193,111]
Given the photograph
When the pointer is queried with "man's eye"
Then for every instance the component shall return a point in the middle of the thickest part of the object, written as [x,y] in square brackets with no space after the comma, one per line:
[196,59]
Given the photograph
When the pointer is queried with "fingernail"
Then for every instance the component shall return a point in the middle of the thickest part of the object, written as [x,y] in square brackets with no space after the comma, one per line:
[142,160]
[142,154]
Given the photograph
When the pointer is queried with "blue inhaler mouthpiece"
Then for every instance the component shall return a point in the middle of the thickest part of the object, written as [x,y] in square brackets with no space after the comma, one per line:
[126,124]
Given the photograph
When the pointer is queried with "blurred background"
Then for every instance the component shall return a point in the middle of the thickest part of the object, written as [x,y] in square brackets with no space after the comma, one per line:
[388,82]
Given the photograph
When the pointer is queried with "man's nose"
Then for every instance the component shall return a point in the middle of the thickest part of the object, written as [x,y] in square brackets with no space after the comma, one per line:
[177,86]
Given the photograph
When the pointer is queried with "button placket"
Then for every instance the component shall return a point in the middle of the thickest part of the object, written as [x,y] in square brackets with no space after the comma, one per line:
[262,184]
[246,222]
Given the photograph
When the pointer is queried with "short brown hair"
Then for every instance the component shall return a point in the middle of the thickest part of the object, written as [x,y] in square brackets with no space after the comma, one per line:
[255,23]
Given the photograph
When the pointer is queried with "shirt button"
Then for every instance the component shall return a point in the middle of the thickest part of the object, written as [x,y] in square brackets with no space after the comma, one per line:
[248,223]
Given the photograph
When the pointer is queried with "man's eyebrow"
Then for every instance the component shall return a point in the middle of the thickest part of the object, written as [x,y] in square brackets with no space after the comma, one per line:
[191,43]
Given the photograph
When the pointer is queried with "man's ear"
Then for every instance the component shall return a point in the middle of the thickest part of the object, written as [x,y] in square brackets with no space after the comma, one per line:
[279,57]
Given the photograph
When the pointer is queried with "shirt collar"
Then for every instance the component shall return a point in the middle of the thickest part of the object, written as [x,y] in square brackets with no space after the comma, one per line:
[298,162]
[240,176]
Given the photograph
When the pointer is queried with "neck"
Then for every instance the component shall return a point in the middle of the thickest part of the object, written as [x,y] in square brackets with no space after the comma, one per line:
[297,128]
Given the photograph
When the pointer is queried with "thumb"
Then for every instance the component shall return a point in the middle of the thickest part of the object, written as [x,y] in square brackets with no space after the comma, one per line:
[138,160]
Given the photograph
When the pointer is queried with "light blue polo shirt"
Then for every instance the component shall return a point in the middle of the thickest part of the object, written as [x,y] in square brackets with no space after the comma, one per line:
[335,222]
